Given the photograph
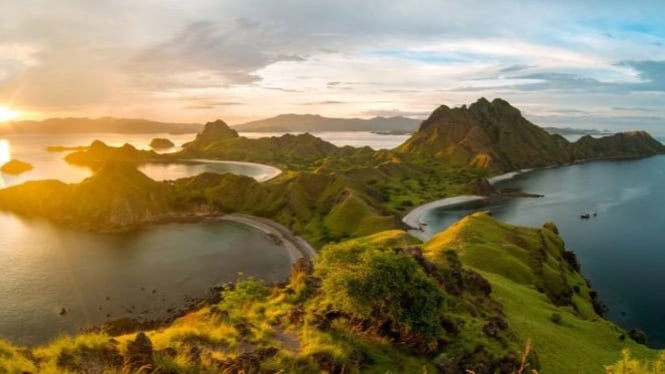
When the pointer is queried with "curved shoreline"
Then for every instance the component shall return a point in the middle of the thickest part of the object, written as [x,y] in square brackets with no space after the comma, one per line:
[271,171]
[296,246]
[413,219]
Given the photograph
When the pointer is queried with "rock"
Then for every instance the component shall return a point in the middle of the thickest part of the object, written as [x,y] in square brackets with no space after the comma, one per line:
[161,143]
[139,353]
[63,311]
[638,336]
[16,167]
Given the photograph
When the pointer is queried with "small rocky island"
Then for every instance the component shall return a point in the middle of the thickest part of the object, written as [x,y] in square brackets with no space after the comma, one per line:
[161,143]
[16,167]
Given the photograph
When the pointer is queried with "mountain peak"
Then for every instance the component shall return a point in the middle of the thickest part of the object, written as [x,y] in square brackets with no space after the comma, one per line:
[496,135]
[212,132]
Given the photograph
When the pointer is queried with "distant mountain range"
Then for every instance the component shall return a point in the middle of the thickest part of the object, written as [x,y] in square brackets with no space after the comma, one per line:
[317,123]
[573,131]
[97,125]
[280,123]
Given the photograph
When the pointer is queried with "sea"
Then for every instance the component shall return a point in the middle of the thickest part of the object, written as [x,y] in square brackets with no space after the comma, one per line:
[144,273]
[621,249]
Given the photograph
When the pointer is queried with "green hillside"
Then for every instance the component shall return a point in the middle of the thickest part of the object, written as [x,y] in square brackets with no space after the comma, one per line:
[481,296]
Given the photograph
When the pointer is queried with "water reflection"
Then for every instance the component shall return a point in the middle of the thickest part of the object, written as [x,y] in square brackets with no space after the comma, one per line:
[5,156]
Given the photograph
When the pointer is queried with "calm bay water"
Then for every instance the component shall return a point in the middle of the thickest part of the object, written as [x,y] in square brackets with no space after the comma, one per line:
[103,277]
[47,268]
[100,277]
[622,250]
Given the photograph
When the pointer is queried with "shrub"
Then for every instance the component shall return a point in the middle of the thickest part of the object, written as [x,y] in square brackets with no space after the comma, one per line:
[556,318]
[376,284]
[638,336]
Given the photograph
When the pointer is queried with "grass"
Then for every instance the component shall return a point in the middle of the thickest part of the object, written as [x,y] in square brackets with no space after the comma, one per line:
[526,270]
[574,346]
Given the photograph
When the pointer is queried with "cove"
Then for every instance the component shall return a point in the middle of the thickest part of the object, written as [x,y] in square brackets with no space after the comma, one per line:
[99,277]
[620,250]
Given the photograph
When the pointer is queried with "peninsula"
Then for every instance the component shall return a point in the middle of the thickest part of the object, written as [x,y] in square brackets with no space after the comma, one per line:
[482,295]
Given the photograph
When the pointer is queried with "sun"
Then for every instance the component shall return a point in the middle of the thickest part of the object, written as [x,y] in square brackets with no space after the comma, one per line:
[7,114]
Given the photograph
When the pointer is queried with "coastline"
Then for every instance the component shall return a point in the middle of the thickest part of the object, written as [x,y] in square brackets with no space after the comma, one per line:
[296,246]
[413,219]
[271,171]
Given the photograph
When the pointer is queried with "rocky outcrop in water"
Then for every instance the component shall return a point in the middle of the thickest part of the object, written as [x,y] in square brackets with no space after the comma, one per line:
[16,167]
[161,143]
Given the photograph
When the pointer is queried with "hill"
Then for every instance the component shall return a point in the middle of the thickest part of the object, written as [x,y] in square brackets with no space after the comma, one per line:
[495,135]
[116,197]
[304,151]
[376,299]
[316,123]
[96,125]
[469,300]
[539,283]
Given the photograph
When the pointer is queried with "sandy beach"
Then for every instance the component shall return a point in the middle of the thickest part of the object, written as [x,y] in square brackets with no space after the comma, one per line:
[296,246]
[413,218]
[270,172]
[507,176]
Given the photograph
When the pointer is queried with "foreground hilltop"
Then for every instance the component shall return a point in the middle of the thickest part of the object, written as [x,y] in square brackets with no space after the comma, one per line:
[495,135]
[379,303]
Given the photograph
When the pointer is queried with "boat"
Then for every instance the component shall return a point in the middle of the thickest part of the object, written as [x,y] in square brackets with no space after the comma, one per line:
[588,215]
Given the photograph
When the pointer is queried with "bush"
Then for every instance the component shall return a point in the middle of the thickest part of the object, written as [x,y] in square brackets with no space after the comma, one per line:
[243,294]
[638,336]
[556,318]
[373,284]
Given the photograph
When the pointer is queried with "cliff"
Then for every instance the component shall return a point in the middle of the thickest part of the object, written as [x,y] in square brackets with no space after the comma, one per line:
[539,284]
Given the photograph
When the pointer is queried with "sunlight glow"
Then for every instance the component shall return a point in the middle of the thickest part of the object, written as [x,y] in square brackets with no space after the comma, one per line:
[5,152]
[7,114]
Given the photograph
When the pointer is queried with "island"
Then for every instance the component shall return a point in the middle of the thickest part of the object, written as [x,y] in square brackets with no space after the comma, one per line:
[481,296]
[161,143]
[16,167]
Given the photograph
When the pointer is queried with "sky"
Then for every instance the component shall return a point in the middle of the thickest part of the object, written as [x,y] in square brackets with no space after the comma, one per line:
[595,64]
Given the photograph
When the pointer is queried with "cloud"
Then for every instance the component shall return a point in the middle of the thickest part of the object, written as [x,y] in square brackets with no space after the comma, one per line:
[652,72]
[229,54]
[325,102]
[343,57]
[396,113]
